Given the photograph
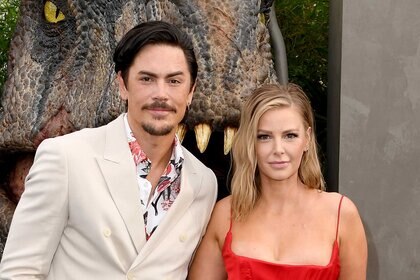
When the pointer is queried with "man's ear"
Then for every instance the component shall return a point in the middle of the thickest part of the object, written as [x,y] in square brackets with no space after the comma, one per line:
[121,86]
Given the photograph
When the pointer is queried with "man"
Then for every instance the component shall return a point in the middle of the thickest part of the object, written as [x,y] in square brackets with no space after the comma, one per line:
[125,200]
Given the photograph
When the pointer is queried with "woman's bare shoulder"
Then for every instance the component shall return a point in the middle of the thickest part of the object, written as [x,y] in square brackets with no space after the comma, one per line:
[222,211]
[332,200]
[220,218]
[331,204]
[348,212]
[347,205]
[224,204]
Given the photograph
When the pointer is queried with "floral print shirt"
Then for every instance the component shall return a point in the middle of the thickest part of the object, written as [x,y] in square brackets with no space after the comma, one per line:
[168,187]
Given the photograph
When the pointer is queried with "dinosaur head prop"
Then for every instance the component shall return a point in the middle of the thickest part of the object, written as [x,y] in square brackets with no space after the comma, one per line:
[61,77]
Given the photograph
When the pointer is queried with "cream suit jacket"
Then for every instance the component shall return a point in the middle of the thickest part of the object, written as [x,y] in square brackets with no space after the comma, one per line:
[79,217]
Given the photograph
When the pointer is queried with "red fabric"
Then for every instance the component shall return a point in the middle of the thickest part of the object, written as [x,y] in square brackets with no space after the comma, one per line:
[244,268]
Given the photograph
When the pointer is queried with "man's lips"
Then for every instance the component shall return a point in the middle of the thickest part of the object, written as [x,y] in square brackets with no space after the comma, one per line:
[159,113]
[161,109]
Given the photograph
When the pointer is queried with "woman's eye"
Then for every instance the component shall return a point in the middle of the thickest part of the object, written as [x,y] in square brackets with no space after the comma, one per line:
[263,137]
[291,136]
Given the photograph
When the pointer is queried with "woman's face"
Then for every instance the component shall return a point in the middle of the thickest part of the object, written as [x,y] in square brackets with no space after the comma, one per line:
[280,144]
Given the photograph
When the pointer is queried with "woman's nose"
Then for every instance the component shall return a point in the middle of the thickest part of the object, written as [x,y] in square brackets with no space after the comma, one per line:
[278,146]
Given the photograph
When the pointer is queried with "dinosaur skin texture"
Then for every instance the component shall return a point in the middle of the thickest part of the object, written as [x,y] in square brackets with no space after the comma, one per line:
[61,76]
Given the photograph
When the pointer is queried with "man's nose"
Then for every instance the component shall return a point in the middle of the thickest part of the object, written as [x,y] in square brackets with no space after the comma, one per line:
[160,90]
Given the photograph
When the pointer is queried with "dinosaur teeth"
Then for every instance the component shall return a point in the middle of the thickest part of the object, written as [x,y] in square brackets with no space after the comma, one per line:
[202,136]
[181,131]
[229,133]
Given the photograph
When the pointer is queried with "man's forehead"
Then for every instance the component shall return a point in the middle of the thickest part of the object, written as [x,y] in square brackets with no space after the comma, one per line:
[161,58]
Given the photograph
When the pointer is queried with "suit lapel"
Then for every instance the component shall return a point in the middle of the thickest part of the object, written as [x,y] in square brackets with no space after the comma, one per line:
[190,181]
[120,175]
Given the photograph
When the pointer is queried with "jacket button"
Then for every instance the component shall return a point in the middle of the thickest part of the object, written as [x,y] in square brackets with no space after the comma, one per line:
[107,232]
[130,276]
[183,237]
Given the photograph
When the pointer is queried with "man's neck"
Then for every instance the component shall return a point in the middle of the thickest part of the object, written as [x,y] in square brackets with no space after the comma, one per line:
[157,148]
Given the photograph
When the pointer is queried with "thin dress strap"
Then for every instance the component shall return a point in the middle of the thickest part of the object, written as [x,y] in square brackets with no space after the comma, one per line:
[338,217]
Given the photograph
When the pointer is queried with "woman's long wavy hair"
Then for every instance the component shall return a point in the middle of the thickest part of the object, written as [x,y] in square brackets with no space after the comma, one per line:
[246,185]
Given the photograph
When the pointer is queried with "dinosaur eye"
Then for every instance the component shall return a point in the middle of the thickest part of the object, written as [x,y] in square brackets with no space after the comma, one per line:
[52,13]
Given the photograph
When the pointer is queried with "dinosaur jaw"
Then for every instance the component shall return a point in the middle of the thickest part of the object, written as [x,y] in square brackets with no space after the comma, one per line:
[202,136]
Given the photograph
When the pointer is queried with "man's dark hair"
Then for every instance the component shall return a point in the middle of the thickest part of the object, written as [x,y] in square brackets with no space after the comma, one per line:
[152,32]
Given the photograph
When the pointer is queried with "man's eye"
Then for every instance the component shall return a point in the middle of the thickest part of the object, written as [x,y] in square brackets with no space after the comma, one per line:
[174,81]
[145,79]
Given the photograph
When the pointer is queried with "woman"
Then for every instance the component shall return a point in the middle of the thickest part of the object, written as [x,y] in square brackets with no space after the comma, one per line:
[279,223]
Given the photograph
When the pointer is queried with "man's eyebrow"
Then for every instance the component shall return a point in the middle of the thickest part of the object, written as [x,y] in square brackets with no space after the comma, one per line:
[173,74]
[142,72]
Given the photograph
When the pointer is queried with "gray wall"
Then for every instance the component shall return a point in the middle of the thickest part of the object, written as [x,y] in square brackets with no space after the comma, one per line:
[379,131]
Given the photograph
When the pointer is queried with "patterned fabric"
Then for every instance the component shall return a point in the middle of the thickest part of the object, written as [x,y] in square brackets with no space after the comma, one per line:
[168,187]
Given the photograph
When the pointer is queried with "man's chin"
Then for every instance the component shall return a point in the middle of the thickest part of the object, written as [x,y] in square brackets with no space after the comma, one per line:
[158,131]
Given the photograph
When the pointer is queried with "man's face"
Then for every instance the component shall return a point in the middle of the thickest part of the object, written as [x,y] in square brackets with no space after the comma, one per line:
[158,90]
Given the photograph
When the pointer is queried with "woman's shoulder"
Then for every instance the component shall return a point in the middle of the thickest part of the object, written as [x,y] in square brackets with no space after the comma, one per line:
[222,209]
[220,219]
[332,204]
[346,205]
[351,234]
[335,200]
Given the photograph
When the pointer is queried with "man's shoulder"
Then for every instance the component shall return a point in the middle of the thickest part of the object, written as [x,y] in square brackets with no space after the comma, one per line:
[193,159]
[197,164]
[208,187]
[79,135]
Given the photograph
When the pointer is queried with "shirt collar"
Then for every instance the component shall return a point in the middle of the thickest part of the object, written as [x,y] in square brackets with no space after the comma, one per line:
[177,153]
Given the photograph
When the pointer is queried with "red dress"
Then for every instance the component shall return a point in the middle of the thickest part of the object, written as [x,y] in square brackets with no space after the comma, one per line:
[244,268]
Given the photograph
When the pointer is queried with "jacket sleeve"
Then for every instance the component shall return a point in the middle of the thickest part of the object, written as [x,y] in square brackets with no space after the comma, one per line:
[40,216]
[213,189]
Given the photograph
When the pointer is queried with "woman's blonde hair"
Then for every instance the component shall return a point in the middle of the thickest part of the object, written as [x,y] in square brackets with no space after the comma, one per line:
[245,185]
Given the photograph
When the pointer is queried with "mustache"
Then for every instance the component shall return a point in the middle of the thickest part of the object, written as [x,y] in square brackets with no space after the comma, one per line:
[159,105]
